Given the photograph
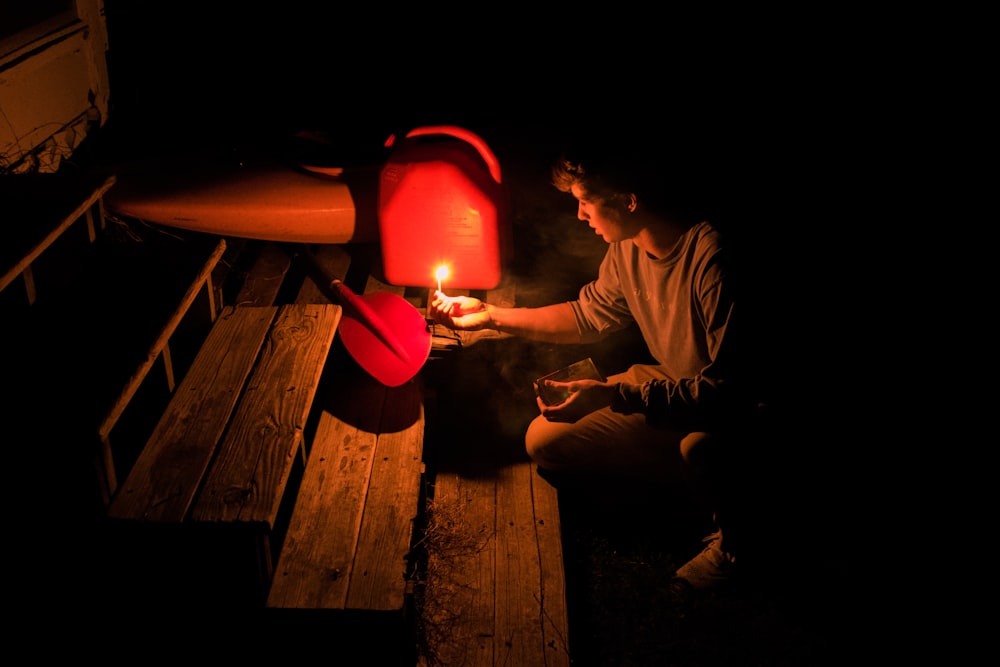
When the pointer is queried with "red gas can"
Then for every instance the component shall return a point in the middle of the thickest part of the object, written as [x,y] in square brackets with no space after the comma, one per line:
[442,202]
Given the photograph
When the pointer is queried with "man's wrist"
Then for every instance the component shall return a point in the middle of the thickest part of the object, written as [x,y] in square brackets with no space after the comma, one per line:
[619,400]
[493,323]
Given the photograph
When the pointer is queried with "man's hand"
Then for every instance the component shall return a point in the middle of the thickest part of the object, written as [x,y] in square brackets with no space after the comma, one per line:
[459,312]
[582,398]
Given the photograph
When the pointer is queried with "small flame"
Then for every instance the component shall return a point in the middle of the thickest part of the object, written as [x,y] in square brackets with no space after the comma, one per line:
[441,273]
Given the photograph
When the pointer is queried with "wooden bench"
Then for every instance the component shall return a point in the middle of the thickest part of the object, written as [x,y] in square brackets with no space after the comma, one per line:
[499,599]
[494,593]
[102,305]
[223,452]
[358,538]
[366,462]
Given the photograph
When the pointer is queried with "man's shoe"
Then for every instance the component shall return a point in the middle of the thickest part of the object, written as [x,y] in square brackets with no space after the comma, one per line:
[710,569]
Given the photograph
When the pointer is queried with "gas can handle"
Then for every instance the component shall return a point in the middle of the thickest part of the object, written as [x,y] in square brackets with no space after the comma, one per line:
[465,135]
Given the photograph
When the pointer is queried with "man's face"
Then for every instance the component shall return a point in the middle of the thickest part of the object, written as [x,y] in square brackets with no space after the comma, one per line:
[604,216]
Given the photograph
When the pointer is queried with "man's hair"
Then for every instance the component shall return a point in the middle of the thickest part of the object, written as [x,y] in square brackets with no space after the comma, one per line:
[600,168]
[667,176]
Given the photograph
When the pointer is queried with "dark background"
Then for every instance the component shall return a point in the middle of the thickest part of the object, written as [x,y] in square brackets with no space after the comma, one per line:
[772,102]
[789,128]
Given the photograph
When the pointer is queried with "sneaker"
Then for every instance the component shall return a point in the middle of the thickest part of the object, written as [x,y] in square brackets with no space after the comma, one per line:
[710,569]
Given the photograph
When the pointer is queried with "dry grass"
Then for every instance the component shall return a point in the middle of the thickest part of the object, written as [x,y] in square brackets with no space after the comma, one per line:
[445,538]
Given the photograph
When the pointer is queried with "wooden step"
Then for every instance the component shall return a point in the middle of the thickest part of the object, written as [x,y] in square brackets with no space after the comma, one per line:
[350,531]
[495,590]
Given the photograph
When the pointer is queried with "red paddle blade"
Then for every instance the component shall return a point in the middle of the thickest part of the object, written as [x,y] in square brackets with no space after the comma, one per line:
[407,326]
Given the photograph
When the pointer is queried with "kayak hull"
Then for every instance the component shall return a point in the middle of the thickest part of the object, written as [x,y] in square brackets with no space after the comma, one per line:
[267,201]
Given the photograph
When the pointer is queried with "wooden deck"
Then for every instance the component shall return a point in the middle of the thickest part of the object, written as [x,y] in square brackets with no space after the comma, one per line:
[450,549]
[480,573]
[495,589]
[349,534]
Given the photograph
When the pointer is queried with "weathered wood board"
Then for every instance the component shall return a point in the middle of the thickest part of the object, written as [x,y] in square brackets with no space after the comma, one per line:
[247,478]
[496,590]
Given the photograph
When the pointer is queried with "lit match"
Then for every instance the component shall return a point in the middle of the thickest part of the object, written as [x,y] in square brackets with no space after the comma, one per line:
[441,273]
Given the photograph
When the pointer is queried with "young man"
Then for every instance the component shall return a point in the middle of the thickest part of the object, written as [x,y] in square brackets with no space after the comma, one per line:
[667,271]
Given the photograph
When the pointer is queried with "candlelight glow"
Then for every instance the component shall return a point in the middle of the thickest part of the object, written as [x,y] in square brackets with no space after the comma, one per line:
[441,273]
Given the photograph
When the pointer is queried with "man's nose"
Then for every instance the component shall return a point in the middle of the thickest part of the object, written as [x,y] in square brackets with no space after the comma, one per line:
[580,213]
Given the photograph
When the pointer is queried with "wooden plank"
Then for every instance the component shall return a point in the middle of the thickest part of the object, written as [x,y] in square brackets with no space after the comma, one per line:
[531,597]
[246,481]
[378,580]
[495,591]
[263,281]
[317,559]
[460,593]
[554,611]
[366,461]
[164,480]
[328,262]
[518,631]
[28,277]
[376,285]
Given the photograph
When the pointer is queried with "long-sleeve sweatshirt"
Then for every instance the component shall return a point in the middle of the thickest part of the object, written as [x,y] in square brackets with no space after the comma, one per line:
[686,310]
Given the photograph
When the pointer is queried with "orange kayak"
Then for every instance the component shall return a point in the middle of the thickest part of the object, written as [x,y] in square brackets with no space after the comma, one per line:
[266,200]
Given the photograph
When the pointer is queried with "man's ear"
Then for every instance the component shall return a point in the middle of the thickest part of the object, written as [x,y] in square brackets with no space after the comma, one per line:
[630,202]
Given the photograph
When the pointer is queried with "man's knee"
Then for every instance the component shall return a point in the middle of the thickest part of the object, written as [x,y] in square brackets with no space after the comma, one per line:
[538,441]
[695,446]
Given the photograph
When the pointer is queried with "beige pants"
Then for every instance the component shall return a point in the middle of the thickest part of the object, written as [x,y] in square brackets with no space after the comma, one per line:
[613,443]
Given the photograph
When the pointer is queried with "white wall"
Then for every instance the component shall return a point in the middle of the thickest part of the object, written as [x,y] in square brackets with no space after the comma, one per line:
[53,88]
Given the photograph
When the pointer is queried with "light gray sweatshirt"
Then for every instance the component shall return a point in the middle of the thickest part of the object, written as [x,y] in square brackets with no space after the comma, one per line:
[684,307]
